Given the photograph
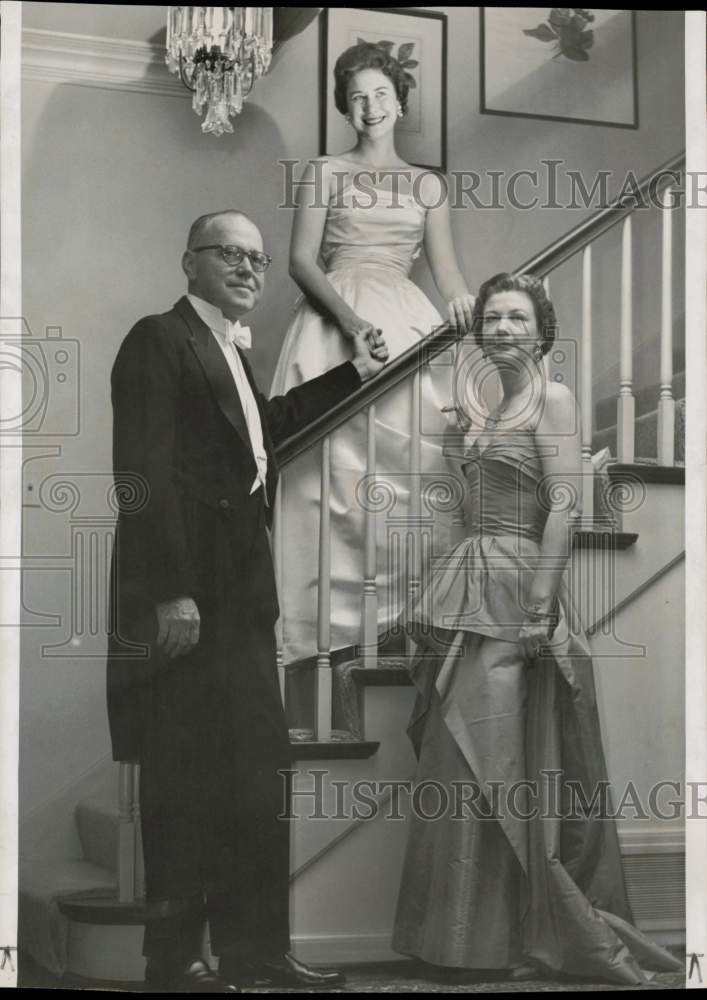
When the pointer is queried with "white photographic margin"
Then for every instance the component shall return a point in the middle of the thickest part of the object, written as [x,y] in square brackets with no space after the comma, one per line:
[695,461]
[10,481]
[695,493]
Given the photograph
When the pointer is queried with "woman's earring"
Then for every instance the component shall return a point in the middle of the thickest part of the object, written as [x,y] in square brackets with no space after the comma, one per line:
[400,110]
[348,119]
[538,353]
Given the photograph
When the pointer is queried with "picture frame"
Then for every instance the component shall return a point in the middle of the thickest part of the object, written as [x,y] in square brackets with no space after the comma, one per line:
[560,64]
[419,41]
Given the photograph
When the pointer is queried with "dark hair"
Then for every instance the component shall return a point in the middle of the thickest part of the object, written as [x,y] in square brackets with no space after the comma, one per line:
[366,55]
[504,282]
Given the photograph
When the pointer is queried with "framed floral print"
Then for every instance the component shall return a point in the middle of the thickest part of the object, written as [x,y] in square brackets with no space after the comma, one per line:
[572,64]
[418,40]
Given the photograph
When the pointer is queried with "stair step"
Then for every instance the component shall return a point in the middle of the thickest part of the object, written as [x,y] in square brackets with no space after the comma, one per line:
[97,826]
[102,908]
[43,931]
[648,471]
[646,400]
[350,749]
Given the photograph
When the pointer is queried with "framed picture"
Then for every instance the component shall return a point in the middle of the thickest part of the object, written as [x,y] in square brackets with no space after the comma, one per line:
[566,64]
[418,40]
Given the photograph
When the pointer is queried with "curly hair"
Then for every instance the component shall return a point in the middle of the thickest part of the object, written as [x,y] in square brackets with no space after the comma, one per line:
[533,287]
[366,55]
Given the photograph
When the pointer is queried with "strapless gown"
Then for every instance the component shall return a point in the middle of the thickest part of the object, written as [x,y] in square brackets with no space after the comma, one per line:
[368,253]
[482,886]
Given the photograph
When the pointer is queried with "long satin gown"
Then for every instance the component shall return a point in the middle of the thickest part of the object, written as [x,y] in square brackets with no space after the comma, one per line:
[368,252]
[482,887]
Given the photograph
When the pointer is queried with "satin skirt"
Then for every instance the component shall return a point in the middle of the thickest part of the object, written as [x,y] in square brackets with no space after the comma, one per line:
[503,866]
[388,299]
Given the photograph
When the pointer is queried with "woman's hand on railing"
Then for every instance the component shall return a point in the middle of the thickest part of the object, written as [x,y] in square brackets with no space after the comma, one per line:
[460,422]
[370,353]
[460,311]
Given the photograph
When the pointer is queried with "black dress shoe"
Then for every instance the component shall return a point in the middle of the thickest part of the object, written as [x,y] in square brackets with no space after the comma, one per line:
[194,977]
[282,971]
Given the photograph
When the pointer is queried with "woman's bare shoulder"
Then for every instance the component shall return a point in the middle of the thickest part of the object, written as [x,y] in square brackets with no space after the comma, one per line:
[560,406]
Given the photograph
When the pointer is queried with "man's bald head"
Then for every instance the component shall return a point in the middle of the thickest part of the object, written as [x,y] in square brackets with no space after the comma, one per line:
[200,226]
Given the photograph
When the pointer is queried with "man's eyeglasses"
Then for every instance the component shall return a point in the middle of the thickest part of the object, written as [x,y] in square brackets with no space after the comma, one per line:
[234,255]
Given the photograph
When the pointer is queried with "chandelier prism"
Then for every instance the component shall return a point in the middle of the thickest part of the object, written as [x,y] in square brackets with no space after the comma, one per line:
[219,53]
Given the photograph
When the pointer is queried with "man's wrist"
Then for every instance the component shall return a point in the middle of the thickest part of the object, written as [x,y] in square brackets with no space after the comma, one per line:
[362,368]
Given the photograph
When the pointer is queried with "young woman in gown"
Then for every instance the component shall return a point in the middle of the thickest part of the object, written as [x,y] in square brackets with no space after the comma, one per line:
[362,219]
[506,700]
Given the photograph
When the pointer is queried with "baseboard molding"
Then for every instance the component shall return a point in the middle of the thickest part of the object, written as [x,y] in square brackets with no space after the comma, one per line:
[93,61]
[344,949]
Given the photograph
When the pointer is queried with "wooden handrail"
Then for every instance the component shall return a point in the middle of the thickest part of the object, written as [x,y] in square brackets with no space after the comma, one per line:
[445,336]
[441,338]
[601,221]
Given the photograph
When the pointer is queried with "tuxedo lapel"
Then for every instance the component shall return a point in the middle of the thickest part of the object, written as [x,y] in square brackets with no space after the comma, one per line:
[211,359]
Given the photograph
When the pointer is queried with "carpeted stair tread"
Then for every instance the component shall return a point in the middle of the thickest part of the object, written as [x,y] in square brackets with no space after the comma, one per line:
[43,930]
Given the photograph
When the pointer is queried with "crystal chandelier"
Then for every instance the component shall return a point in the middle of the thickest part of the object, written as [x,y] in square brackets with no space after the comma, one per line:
[219,53]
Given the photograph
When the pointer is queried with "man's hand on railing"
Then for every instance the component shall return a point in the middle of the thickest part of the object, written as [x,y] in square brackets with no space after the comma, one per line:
[178,626]
[370,353]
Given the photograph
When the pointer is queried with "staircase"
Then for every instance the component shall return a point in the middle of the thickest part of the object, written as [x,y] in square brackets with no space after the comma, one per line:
[87,915]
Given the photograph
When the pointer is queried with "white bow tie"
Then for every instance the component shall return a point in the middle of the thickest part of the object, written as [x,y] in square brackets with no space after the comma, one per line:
[238,335]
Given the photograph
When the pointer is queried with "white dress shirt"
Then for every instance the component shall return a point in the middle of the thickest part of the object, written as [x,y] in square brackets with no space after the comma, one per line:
[228,335]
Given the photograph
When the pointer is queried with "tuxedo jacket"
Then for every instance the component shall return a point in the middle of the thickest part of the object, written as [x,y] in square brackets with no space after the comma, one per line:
[184,469]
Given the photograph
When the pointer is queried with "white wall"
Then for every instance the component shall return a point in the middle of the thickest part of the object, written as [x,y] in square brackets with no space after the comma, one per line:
[111,182]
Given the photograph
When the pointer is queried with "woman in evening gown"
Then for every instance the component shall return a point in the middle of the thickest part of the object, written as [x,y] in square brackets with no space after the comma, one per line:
[361,221]
[506,712]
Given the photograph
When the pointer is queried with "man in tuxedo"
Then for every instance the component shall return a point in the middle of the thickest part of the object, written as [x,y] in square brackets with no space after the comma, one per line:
[193,693]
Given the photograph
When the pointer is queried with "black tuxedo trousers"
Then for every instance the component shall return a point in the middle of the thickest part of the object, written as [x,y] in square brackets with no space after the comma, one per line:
[214,789]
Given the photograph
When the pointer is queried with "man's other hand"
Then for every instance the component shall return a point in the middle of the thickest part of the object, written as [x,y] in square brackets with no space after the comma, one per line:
[370,353]
[178,626]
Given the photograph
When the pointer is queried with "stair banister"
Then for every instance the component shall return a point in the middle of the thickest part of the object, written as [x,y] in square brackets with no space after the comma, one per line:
[626,403]
[602,220]
[445,336]
[413,535]
[322,708]
[585,406]
[370,592]
[127,831]
[666,403]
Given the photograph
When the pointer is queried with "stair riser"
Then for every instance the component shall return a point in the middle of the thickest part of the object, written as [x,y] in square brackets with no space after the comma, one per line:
[646,438]
[97,827]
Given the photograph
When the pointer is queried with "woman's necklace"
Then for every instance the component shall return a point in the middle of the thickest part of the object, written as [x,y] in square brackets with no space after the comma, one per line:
[495,417]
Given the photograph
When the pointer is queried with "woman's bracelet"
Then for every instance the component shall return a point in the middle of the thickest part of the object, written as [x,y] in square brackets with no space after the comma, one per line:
[538,616]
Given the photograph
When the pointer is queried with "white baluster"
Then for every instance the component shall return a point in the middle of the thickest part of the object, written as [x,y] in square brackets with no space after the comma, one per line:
[666,403]
[370,593]
[626,403]
[412,547]
[126,832]
[546,357]
[278,556]
[586,388]
[322,708]
[139,856]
